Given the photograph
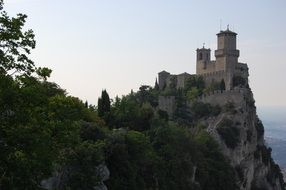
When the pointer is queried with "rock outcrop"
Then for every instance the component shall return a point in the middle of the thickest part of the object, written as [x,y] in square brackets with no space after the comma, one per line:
[59,179]
[240,135]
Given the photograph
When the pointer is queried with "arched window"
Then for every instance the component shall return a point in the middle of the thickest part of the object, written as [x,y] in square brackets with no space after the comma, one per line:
[200,56]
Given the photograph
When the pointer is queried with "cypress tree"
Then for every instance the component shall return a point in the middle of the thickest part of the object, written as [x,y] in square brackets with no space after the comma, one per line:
[222,85]
[103,103]
[156,85]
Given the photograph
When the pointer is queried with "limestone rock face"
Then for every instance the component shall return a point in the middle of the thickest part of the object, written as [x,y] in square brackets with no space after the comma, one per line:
[59,179]
[104,175]
[246,149]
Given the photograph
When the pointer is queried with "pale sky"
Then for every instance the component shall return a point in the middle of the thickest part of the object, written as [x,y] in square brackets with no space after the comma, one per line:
[119,45]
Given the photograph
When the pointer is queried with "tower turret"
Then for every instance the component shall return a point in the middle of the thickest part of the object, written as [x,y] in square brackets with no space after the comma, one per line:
[203,58]
[226,53]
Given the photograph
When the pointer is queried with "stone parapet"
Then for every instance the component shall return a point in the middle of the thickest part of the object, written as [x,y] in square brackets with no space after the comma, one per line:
[226,52]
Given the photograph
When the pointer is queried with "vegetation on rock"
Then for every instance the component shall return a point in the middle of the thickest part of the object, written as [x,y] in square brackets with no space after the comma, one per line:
[229,133]
[44,132]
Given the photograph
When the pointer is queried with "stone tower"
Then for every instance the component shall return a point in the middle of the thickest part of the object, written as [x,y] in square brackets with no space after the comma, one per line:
[226,53]
[163,76]
[203,60]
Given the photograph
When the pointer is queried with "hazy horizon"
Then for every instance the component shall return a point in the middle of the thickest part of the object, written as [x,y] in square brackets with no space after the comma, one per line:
[119,45]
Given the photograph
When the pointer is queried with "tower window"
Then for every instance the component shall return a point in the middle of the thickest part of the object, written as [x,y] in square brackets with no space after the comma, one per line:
[200,56]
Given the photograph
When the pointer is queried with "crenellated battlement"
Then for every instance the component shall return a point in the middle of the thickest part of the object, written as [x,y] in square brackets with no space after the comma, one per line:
[213,73]
[216,97]
[219,92]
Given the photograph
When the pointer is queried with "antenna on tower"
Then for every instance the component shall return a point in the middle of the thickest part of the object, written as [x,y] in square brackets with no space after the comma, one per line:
[220,24]
[203,45]
[228,27]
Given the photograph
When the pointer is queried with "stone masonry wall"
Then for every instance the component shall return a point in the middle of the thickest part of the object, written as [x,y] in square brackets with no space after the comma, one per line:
[222,97]
[168,104]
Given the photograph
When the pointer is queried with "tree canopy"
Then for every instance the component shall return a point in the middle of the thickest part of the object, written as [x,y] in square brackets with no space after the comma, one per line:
[15,44]
[45,133]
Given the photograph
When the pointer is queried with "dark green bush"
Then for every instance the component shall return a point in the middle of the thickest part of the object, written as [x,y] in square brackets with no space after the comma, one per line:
[215,110]
[229,133]
[229,107]
[163,115]
[265,154]
[255,187]
[259,128]
[200,109]
[195,81]
[257,154]
[214,171]
[239,81]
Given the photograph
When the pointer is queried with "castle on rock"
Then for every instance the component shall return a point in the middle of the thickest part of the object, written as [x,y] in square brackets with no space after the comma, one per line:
[224,69]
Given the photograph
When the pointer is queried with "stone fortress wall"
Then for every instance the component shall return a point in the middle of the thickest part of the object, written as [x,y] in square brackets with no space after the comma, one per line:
[221,98]
[167,104]
[215,76]
[218,97]
[165,79]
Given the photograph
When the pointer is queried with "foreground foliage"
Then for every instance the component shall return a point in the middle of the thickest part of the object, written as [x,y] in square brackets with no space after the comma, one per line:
[43,130]
[46,133]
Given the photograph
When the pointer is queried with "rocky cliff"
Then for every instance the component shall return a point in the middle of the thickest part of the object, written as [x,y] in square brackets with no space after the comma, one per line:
[240,135]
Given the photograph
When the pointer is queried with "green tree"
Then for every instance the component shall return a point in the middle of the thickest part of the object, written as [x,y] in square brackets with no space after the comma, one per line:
[239,81]
[195,81]
[200,109]
[193,93]
[143,94]
[173,83]
[177,154]
[229,133]
[103,103]
[39,124]
[15,44]
[213,170]
[44,72]
[147,94]
[182,113]
[27,150]
[83,162]
[156,85]
[130,159]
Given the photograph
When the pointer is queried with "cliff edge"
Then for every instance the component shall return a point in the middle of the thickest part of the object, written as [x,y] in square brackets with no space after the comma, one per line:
[240,134]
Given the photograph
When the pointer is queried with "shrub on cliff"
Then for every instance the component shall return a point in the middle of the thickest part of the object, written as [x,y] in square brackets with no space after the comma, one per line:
[213,170]
[259,128]
[239,81]
[200,109]
[228,133]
